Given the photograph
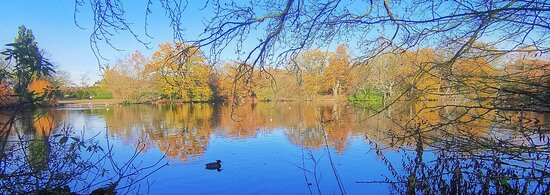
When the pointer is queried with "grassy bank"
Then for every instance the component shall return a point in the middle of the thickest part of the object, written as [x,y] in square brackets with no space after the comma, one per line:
[89,103]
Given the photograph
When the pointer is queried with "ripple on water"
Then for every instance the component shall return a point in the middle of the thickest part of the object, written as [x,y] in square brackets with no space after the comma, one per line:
[248,166]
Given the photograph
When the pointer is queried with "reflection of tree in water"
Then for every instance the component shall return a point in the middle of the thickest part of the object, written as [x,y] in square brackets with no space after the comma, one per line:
[184,130]
[306,137]
[393,127]
[299,120]
[34,129]
[191,137]
[131,123]
[42,157]
[460,150]
[39,146]
[247,120]
[302,123]
[181,131]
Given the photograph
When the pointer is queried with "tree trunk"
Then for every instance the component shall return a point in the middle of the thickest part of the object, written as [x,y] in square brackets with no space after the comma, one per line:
[335,89]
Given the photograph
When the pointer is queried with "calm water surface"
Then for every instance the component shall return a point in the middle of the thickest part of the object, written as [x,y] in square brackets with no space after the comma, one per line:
[276,148]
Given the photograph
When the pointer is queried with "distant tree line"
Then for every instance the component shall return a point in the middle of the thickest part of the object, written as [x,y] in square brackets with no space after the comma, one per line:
[329,75]
[169,76]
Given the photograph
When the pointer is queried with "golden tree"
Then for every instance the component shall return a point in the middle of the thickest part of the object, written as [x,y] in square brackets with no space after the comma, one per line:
[337,78]
[39,86]
[311,64]
[122,78]
[182,71]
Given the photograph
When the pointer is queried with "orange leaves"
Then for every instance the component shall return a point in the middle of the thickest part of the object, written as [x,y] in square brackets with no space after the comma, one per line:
[474,67]
[311,64]
[527,80]
[183,72]
[39,86]
[121,80]
[44,124]
[423,76]
[6,93]
[337,77]
[529,69]
[5,90]
[475,78]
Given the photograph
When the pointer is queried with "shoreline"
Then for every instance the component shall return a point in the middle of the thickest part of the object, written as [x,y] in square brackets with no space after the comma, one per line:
[106,102]
[88,103]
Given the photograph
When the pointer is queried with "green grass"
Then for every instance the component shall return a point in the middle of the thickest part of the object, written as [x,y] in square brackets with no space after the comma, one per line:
[94,92]
[367,98]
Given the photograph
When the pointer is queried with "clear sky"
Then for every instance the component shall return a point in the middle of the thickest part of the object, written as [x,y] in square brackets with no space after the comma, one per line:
[68,46]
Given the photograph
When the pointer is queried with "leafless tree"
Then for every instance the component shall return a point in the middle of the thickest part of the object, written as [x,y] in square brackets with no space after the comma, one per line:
[281,30]
[513,36]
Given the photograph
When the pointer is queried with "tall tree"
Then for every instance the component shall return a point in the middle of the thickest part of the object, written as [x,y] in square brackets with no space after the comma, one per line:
[122,78]
[183,72]
[311,64]
[337,77]
[29,64]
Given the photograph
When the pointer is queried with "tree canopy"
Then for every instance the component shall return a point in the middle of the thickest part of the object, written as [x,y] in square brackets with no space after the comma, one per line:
[27,68]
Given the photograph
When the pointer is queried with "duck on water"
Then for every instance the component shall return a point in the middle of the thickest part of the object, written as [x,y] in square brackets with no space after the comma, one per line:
[214,165]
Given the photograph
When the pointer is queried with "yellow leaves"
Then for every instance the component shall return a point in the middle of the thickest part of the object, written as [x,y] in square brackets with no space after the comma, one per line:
[39,86]
[528,69]
[311,64]
[425,79]
[527,80]
[5,90]
[43,124]
[396,73]
[474,77]
[313,60]
[122,79]
[182,72]
[474,67]
[337,77]
[237,80]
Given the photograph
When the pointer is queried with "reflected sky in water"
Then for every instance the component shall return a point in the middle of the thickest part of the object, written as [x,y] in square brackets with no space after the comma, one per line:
[276,147]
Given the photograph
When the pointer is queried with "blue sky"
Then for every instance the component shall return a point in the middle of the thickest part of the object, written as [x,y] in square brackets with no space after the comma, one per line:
[69,49]
[68,46]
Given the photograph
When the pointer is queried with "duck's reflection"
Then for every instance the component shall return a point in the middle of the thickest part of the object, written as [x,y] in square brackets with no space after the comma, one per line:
[472,150]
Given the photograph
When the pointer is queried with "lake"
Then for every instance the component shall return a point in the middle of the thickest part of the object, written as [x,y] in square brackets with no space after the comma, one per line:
[314,148]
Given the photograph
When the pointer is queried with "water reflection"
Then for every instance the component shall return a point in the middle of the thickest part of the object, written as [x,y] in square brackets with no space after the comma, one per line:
[43,155]
[183,131]
[34,128]
[420,147]
[465,150]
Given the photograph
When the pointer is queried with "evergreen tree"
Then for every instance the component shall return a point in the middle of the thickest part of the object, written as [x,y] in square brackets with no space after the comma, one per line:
[29,61]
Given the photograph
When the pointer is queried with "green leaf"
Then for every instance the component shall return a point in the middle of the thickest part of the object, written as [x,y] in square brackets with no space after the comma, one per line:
[504,181]
[63,140]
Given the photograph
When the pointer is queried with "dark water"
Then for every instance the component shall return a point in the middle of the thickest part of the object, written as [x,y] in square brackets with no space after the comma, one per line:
[312,148]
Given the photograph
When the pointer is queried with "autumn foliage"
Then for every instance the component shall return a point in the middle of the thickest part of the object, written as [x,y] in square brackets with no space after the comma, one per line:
[179,72]
[39,86]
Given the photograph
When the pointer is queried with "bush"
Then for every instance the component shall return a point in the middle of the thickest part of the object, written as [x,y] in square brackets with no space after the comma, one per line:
[367,98]
[265,93]
[99,93]
[85,93]
[370,95]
